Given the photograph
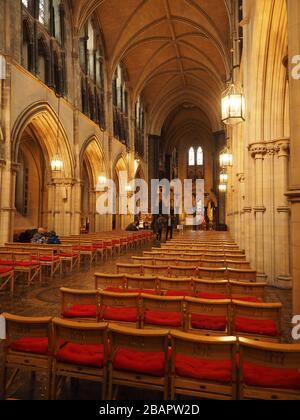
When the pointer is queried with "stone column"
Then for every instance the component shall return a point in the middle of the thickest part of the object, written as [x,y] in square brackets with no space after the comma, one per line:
[294,184]
[282,218]
[258,152]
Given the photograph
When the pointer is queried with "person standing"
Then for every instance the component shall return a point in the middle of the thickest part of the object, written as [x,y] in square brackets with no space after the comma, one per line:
[169,225]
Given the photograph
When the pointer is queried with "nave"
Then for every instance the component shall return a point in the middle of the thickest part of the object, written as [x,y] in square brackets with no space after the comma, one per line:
[46,301]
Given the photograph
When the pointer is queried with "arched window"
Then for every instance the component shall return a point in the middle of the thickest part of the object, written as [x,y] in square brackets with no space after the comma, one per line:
[120,106]
[43,12]
[43,25]
[192,157]
[92,72]
[139,138]
[200,156]
[43,61]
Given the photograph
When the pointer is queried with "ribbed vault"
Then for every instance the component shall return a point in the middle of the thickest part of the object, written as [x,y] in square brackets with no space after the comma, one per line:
[175,52]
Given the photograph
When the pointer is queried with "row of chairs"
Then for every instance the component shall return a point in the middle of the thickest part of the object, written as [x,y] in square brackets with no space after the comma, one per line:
[168,361]
[186,253]
[187,272]
[222,289]
[191,261]
[261,321]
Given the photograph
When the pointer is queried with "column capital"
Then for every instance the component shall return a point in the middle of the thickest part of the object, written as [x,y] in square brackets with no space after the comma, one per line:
[283,209]
[258,150]
[259,209]
[283,148]
[293,196]
[2,163]
[247,209]
[15,167]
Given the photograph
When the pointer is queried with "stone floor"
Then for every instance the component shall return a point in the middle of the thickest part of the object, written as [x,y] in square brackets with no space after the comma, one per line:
[45,301]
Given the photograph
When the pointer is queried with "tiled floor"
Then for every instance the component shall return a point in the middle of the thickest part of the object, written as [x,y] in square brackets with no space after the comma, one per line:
[45,301]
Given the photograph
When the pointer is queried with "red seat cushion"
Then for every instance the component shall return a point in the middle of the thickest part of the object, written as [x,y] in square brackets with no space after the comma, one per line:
[6,262]
[4,270]
[211,296]
[49,259]
[115,290]
[82,354]
[266,377]
[177,293]
[31,345]
[77,311]
[170,319]
[120,314]
[140,362]
[209,370]
[256,326]
[205,322]
[27,264]
[144,291]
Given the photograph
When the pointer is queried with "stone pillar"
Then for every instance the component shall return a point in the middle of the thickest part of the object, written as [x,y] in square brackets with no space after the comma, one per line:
[282,218]
[294,185]
[258,152]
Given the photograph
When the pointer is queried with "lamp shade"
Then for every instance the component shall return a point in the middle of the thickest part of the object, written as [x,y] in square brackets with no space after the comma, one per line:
[57,164]
[223,178]
[233,106]
[223,188]
[226,159]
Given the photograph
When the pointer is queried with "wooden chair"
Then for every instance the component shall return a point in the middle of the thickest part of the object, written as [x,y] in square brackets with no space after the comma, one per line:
[6,258]
[212,273]
[155,270]
[48,259]
[143,260]
[213,256]
[84,355]
[260,321]
[235,257]
[28,347]
[166,261]
[120,308]
[241,275]
[268,371]
[247,291]
[87,251]
[203,367]
[7,277]
[69,257]
[207,317]
[162,312]
[142,284]
[139,359]
[80,305]
[110,282]
[176,286]
[108,248]
[25,264]
[129,269]
[213,263]
[211,289]
[238,265]
[183,271]
[188,262]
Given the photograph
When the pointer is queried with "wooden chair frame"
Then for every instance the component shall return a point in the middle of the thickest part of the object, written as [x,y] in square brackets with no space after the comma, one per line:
[79,333]
[202,347]
[70,297]
[138,340]
[18,327]
[267,355]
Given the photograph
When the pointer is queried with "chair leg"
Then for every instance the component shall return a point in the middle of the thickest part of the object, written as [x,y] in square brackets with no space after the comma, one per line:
[104,386]
[53,391]
[3,384]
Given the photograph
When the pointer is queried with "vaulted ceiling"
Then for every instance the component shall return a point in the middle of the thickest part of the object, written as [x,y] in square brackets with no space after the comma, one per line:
[176,52]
